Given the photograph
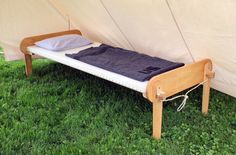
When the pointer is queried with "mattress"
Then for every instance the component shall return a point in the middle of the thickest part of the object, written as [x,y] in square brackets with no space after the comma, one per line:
[60,57]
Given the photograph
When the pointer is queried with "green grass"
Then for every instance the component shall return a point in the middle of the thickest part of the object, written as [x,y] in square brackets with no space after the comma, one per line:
[62,110]
[1,49]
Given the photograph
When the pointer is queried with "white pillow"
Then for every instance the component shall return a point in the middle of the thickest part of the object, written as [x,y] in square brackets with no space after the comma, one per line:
[62,43]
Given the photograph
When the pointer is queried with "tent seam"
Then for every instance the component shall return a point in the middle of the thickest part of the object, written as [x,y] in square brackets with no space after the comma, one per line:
[178,27]
[117,25]
[62,12]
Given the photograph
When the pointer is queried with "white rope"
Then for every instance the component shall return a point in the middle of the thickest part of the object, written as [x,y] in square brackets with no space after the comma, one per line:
[185,96]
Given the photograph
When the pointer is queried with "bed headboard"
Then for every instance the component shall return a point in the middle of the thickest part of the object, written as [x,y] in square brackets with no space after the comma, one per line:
[29,41]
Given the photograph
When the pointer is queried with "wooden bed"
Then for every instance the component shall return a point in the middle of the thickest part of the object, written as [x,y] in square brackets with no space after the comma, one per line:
[158,87]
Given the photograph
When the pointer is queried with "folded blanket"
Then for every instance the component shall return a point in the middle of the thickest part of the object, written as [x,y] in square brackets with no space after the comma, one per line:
[134,65]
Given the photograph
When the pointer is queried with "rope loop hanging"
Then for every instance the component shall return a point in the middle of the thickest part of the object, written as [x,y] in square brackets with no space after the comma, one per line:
[185,96]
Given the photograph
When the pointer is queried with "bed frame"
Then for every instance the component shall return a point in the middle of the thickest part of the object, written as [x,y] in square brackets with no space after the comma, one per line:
[159,87]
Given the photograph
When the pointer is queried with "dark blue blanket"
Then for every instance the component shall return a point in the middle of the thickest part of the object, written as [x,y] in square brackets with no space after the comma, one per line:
[125,62]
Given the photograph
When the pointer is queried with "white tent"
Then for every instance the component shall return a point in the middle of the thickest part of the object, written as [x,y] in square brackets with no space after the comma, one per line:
[183,30]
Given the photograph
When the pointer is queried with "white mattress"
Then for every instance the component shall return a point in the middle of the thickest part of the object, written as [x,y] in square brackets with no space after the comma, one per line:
[99,72]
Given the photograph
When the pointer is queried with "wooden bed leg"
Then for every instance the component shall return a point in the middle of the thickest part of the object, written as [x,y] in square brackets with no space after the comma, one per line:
[28,64]
[208,75]
[157,119]
[205,97]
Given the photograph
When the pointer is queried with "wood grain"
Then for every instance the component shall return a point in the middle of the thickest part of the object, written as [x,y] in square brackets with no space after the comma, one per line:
[157,118]
[28,64]
[208,74]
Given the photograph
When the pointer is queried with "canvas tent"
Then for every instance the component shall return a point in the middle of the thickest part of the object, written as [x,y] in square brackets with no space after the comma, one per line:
[183,30]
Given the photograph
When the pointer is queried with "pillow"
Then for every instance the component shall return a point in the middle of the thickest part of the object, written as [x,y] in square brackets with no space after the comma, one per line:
[62,43]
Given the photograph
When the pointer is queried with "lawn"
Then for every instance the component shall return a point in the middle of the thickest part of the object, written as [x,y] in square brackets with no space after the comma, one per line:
[62,110]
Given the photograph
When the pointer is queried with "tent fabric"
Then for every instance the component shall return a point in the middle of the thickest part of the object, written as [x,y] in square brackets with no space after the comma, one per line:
[19,19]
[170,29]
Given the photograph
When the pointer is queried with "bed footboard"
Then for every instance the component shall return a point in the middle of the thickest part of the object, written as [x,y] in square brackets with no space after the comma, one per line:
[30,42]
[174,81]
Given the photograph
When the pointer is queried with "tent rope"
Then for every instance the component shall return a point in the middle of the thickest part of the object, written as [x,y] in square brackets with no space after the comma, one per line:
[178,27]
[185,96]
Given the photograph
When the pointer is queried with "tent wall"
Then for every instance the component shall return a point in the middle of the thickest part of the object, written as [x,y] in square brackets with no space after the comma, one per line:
[94,21]
[209,28]
[183,30]
[22,18]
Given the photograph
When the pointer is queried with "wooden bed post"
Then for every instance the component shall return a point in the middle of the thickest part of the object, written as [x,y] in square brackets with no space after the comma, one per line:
[157,107]
[205,97]
[28,64]
[157,118]
[208,75]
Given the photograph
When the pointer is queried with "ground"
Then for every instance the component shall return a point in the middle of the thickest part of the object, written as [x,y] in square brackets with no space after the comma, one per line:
[62,110]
